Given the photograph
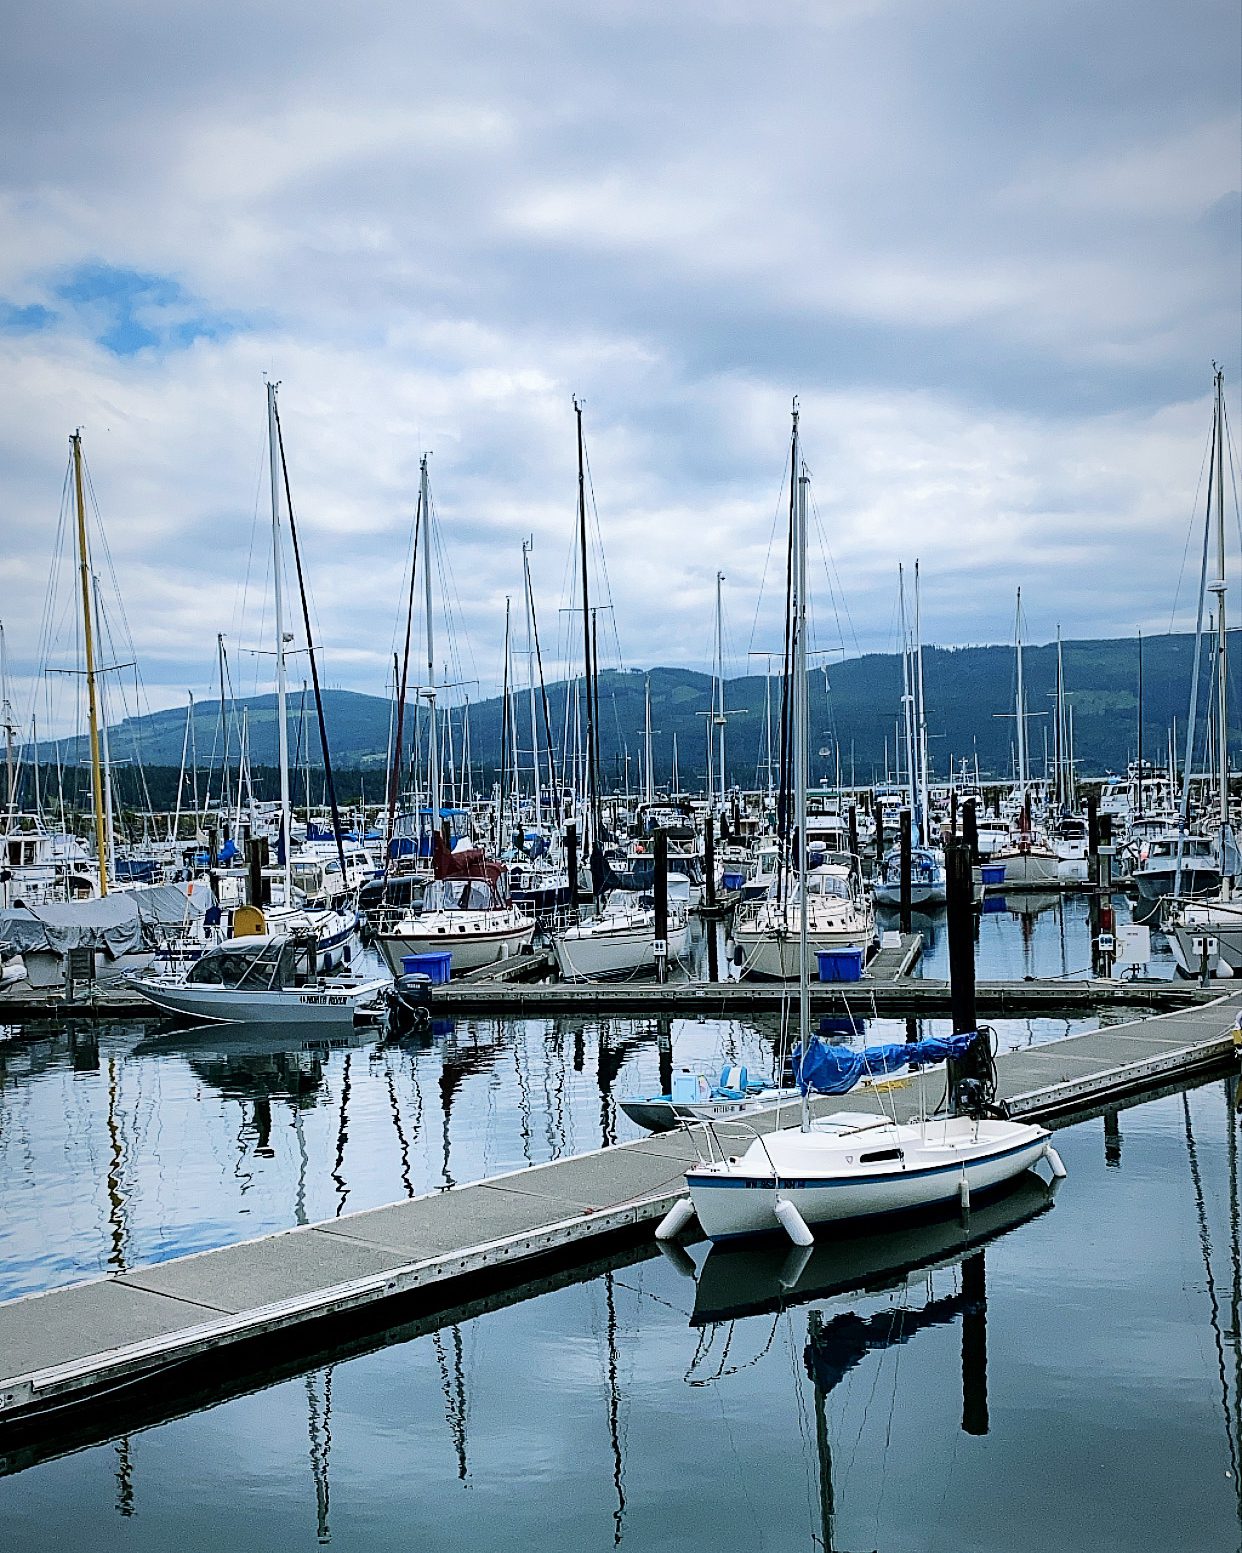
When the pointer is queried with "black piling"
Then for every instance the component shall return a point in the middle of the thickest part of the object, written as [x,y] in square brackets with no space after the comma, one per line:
[853,822]
[1093,878]
[959,877]
[709,865]
[970,831]
[571,861]
[878,815]
[974,1344]
[661,904]
[905,871]
[260,889]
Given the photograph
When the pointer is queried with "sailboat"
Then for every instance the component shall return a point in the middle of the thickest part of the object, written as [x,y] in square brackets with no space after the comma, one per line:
[927,879]
[849,1164]
[1201,911]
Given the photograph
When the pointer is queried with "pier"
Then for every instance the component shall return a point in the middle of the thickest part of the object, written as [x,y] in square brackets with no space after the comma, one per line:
[228,1313]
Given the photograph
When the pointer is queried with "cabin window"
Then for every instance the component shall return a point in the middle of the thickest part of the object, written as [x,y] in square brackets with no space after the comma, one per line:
[879,1156]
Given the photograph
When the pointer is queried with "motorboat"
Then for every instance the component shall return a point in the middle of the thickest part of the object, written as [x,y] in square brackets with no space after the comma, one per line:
[267,978]
[927,878]
[693,1097]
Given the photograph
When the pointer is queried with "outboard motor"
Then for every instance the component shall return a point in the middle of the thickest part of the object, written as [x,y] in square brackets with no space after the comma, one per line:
[408,1003]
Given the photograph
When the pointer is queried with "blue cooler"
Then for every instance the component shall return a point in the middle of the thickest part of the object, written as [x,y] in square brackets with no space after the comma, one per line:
[840,964]
[437,966]
[992,874]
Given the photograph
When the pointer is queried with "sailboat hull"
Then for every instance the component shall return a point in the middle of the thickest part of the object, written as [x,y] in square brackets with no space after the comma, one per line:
[734,1199]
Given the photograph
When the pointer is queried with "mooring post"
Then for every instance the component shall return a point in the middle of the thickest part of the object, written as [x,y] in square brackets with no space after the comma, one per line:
[709,865]
[877,814]
[905,871]
[1107,922]
[953,811]
[1093,878]
[571,861]
[960,911]
[661,905]
[974,1344]
[853,821]
[970,831]
[664,1046]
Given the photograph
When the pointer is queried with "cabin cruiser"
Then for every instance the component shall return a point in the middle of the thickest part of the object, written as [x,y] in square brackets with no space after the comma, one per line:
[620,940]
[1157,874]
[928,886]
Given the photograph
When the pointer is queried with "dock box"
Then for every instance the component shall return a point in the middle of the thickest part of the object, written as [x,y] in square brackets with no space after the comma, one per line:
[437,966]
[991,874]
[840,964]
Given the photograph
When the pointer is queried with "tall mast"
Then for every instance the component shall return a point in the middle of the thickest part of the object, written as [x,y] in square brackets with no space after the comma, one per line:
[1058,729]
[92,694]
[1139,723]
[649,780]
[530,683]
[907,702]
[801,732]
[6,711]
[282,727]
[718,697]
[1218,588]
[925,821]
[105,754]
[225,724]
[592,784]
[433,743]
[1022,761]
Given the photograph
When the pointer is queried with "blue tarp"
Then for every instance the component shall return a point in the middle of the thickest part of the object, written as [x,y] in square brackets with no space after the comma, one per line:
[832,1070]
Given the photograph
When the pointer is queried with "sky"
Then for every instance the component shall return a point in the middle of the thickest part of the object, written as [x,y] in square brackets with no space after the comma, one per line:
[994,250]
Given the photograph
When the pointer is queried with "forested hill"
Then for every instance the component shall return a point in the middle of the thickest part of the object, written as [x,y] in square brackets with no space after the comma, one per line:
[855,707]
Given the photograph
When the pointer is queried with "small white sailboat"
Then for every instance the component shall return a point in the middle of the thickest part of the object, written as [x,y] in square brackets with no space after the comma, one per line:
[847,1165]
[694,1098]
[838,914]
[620,941]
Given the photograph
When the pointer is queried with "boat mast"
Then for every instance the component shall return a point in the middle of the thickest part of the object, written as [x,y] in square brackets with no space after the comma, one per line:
[907,704]
[92,693]
[1222,661]
[282,729]
[718,688]
[925,819]
[1022,759]
[530,684]
[802,741]
[1139,723]
[592,783]
[649,780]
[433,744]
[6,711]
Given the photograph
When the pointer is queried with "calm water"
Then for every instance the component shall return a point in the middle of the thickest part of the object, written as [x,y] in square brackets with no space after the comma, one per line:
[1072,1383]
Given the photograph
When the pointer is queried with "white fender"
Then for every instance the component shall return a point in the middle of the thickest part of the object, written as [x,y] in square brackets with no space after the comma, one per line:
[1054,1162]
[675,1220]
[792,1222]
[963,1194]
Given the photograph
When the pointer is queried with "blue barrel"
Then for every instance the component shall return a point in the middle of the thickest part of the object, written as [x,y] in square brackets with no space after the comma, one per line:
[437,966]
[840,964]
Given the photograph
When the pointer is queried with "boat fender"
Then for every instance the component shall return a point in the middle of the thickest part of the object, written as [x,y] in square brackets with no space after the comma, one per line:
[792,1222]
[675,1220]
[1055,1163]
[682,1261]
[963,1195]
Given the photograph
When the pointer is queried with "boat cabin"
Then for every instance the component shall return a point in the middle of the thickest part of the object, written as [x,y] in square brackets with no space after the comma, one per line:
[259,964]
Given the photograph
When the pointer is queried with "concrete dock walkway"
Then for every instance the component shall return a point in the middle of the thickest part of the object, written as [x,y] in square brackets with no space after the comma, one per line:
[84,1343]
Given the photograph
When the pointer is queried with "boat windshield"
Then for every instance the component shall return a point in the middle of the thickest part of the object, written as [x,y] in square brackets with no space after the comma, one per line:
[459,895]
[253,966]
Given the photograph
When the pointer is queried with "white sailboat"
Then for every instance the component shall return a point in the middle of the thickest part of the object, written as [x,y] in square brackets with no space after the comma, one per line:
[851,1164]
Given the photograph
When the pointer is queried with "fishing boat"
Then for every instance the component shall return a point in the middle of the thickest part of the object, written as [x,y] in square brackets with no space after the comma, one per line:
[268,978]
[847,1165]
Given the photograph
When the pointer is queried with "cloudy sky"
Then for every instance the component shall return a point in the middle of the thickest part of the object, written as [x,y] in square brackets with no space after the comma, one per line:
[993,248]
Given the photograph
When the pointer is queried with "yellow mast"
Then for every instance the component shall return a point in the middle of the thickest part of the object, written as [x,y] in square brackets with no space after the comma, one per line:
[91,695]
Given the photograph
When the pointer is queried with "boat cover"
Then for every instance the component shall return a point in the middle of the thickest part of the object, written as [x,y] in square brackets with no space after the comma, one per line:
[832,1070]
[111,923]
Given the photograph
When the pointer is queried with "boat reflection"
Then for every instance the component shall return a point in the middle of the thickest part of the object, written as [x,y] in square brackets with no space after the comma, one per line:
[744,1281]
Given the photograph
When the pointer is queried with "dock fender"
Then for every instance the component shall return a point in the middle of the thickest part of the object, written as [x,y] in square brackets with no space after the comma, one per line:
[675,1220]
[792,1222]
[1055,1163]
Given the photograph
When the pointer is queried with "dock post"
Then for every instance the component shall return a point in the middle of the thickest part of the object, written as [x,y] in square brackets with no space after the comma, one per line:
[853,820]
[905,871]
[661,904]
[959,878]
[1107,928]
[709,864]
[571,861]
[1093,878]
[974,1344]
[970,831]
[877,814]
[664,1046]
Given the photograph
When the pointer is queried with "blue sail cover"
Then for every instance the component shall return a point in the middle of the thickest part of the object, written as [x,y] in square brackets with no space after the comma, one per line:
[832,1070]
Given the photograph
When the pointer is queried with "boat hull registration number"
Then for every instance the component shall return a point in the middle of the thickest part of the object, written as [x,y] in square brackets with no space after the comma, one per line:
[334,998]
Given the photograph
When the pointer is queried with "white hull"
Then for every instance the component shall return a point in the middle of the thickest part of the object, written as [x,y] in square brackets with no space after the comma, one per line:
[1221,923]
[474,938]
[776,955]
[227,1005]
[920,894]
[828,1179]
[599,950]
[1035,870]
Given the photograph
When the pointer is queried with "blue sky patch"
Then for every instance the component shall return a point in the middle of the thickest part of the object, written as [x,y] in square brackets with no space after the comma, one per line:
[128,310]
[24,320]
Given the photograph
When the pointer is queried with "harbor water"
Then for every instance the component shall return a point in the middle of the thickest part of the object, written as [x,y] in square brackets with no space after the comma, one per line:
[1066,1376]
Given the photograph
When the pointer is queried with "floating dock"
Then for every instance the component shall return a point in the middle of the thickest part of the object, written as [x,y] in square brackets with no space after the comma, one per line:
[231,1310]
